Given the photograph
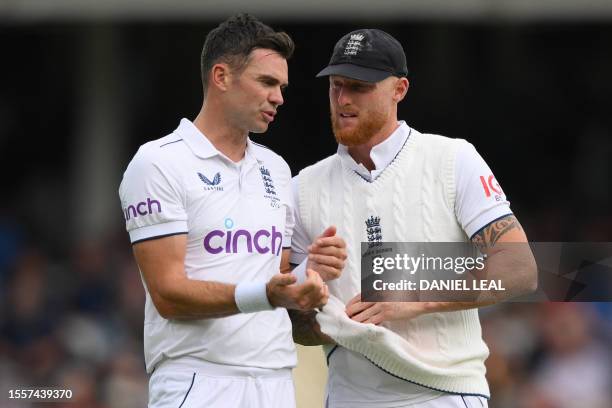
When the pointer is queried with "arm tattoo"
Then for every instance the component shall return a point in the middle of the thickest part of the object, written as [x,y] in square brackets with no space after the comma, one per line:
[487,237]
[306,330]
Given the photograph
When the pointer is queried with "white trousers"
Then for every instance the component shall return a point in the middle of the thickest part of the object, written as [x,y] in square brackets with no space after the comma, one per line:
[208,385]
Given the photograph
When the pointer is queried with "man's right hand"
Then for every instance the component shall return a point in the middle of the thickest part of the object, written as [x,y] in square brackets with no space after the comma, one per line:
[283,292]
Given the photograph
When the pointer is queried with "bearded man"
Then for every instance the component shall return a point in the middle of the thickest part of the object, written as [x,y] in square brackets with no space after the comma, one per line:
[389,182]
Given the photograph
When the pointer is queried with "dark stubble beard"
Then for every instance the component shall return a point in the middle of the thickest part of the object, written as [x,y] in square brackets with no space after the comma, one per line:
[367,126]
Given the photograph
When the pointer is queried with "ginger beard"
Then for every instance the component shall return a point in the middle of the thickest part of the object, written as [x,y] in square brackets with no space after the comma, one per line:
[369,123]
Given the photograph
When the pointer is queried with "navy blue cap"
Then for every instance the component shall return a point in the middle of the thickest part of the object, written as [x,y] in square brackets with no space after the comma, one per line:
[369,55]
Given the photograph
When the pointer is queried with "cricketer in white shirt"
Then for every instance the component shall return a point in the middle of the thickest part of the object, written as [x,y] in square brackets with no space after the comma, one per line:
[237,218]
[479,201]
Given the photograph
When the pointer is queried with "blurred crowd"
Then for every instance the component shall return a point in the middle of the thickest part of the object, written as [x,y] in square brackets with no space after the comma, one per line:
[549,355]
[74,324]
[77,324]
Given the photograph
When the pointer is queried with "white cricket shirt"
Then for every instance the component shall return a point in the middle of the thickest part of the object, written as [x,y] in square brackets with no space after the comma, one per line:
[237,217]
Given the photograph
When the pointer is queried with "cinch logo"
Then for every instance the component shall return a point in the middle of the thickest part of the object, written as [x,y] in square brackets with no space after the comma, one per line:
[142,208]
[217,241]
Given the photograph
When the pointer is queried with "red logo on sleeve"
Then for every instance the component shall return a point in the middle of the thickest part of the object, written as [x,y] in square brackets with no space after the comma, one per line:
[490,184]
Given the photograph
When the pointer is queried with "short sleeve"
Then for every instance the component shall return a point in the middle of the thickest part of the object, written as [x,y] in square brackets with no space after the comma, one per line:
[300,240]
[480,198]
[152,202]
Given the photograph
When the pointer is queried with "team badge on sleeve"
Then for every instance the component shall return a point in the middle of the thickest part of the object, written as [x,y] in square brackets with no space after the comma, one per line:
[492,188]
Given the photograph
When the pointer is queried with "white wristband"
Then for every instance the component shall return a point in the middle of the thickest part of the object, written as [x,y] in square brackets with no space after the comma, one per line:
[251,297]
[300,271]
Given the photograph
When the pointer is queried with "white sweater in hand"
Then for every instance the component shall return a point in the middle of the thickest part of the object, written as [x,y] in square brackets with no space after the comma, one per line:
[414,199]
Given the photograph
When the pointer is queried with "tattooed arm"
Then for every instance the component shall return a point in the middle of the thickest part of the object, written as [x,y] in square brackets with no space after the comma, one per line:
[509,259]
[505,229]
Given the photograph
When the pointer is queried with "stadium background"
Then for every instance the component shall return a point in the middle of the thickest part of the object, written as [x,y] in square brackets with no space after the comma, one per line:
[83,84]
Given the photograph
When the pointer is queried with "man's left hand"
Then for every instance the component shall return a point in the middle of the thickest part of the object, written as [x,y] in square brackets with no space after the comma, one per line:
[378,312]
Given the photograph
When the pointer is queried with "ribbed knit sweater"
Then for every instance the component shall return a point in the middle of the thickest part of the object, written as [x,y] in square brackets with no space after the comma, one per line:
[414,198]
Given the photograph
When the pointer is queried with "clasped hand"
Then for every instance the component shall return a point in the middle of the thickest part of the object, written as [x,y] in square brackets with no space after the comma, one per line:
[326,258]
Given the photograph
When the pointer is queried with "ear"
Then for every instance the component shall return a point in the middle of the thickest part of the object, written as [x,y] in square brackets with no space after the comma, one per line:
[401,89]
[220,76]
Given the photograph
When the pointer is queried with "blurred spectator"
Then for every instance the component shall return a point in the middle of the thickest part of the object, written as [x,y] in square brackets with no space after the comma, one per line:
[11,377]
[125,386]
[131,295]
[510,333]
[82,380]
[575,371]
[95,278]
[10,248]
[28,317]
[85,339]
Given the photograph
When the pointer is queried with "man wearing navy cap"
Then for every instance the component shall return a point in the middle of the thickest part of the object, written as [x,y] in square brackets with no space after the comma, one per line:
[389,182]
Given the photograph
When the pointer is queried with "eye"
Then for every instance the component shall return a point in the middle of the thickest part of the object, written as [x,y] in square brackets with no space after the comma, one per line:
[361,88]
[268,81]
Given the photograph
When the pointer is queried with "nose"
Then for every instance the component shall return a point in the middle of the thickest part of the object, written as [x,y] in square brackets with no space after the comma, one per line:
[342,96]
[276,97]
